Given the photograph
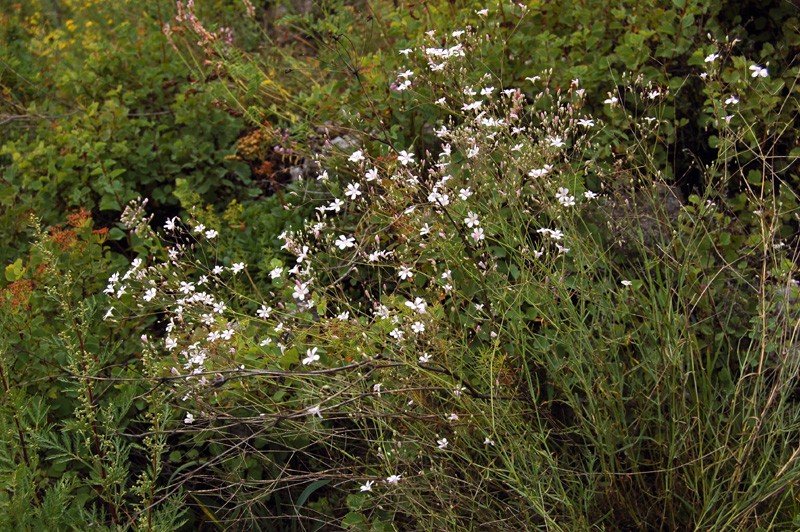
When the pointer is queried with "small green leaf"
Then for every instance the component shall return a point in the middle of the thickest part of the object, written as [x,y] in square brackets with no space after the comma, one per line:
[14,271]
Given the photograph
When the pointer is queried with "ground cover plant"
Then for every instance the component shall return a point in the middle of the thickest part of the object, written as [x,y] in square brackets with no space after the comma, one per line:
[485,300]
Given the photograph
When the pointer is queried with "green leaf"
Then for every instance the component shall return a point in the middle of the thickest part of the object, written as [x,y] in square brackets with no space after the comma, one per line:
[14,271]
[116,234]
[314,486]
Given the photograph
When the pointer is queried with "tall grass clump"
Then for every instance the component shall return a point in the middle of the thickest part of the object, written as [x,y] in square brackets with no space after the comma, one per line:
[498,332]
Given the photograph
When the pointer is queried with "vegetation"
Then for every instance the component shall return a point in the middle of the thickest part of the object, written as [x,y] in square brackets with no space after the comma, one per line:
[371,266]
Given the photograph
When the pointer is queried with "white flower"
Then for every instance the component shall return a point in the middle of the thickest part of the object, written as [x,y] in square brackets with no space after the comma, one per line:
[311,356]
[405,272]
[612,100]
[397,334]
[169,225]
[556,142]
[314,411]
[425,230]
[711,58]
[227,334]
[372,174]
[345,242]
[474,106]
[473,152]
[344,315]
[211,233]
[170,343]
[425,358]
[352,191]
[219,308]
[487,91]
[586,122]
[335,205]
[199,228]
[452,417]
[264,312]
[149,294]
[393,479]
[367,486]
[356,156]
[108,313]
[406,51]
[539,172]
[418,304]
[189,419]
[404,157]
[323,176]
[217,270]
[186,287]
[442,443]
[418,327]
[275,273]
[300,291]
[302,255]
[627,283]
[471,220]
[477,234]
[732,100]
[589,195]
[758,71]
[482,12]
[488,441]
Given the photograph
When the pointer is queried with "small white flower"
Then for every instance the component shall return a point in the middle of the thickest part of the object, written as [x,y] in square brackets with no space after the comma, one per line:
[149,294]
[442,444]
[425,358]
[276,272]
[169,225]
[189,419]
[372,174]
[344,242]
[217,270]
[477,234]
[589,195]
[352,191]
[732,100]
[393,479]
[220,307]
[452,417]
[367,486]
[264,312]
[186,287]
[482,12]
[627,283]
[314,411]
[611,100]
[758,71]
[471,220]
[199,228]
[343,316]
[406,51]
[556,142]
[418,327]
[539,172]
[473,152]
[108,313]
[711,58]
[170,343]
[311,356]
[356,156]
[586,122]
[237,267]
[300,291]
[405,158]
[488,441]
[405,272]
[397,334]
[211,233]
